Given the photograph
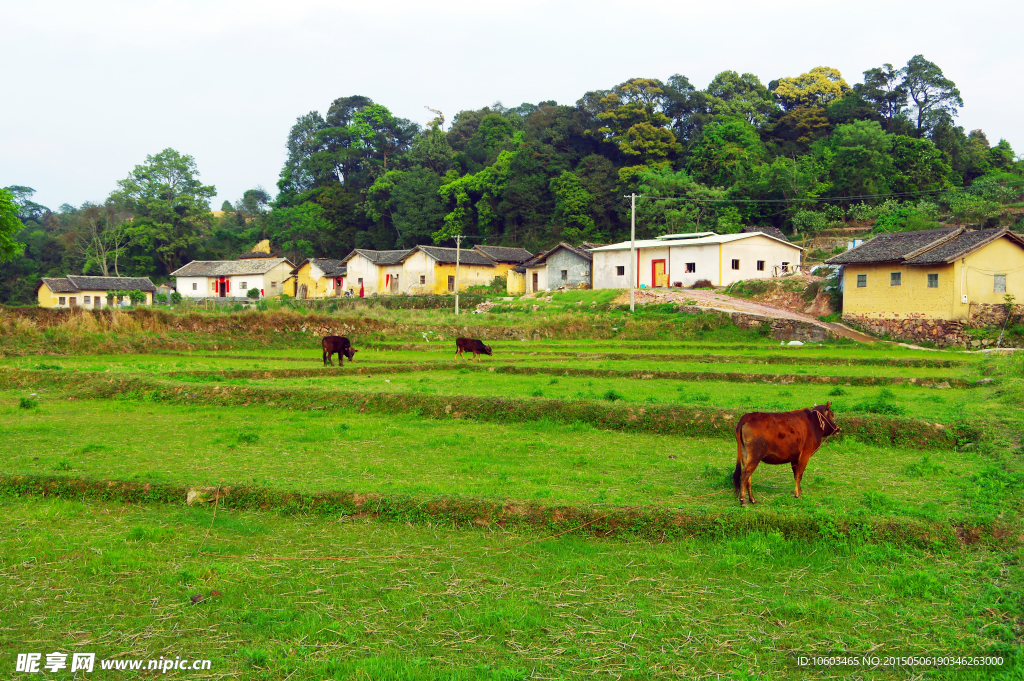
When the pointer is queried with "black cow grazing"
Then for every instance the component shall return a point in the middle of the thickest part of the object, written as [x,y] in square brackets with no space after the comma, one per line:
[340,345]
[471,345]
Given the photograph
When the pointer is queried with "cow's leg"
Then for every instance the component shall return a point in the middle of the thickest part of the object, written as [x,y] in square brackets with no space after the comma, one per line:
[798,474]
[748,471]
[327,359]
[341,358]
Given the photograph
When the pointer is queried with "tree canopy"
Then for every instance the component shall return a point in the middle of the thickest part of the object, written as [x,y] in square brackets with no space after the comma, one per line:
[799,153]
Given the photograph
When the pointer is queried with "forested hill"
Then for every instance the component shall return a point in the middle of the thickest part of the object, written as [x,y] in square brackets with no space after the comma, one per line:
[800,153]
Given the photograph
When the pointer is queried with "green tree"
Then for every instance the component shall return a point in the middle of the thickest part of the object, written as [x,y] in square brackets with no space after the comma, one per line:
[407,201]
[919,166]
[727,153]
[633,121]
[819,87]
[933,95]
[302,231]
[572,208]
[733,95]
[861,165]
[170,206]
[673,203]
[884,91]
[10,225]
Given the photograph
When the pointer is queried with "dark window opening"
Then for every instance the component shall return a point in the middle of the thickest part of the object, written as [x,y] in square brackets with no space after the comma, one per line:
[760,265]
[691,267]
[620,271]
[735,264]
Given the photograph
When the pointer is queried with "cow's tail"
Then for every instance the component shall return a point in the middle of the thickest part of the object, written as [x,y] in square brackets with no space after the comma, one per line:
[738,473]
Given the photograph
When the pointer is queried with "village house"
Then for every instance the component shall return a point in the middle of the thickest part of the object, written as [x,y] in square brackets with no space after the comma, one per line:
[903,283]
[431,269]
[564,265]
[233,278]
[373,272]
[504,257]
[89,292]
[165,289]
[684,259]
[318,278]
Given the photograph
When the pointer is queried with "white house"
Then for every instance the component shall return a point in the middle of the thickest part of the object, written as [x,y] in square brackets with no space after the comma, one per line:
[233,278]
[372,271]
[684,259]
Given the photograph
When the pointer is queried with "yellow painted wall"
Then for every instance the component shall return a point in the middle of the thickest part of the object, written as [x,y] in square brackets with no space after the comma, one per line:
[315,287]
[515,283]
[47,298]
[469,275]
[973,278]
[288,286]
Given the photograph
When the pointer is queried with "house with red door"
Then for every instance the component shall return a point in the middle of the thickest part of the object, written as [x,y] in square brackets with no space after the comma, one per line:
[233,278]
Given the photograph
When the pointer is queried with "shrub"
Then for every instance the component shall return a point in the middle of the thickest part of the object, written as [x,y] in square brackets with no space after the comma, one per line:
[810,221]
[136,296]
[253,294]
[160,298]
[27,403]
[175,298]
[702,283]
[612,396]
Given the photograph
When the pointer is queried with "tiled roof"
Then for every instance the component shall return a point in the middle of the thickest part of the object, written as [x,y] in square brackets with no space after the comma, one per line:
[378,257]
[505,253]
[893,247]
[59,285]
[74,283]
[329,266]
[256,254]
[224,268]
[578,250]
[960,245]
[447,255]
[768,231]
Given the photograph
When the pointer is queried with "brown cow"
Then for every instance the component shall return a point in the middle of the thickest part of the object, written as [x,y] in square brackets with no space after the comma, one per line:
[775,438]
[340,345]
[471,345]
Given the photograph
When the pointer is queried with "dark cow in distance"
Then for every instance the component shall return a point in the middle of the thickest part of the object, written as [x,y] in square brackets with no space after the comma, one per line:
[340,345]
[471,345]
[775,438]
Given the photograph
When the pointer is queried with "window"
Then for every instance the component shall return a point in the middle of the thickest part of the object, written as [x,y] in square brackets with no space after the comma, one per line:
[86,300]
[691,267]
[61,300]
[1000,284]
[862,281]
[360,281]
[565,275]
[895,279]
[72,301]
[735,264]
[273,284]
[423,279]
[760,265]
[451,283]
[785,267]
[620,271]
[195,286]
[933,280]
[245,287]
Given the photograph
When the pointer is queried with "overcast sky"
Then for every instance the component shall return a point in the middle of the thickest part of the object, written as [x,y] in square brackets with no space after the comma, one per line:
[91,88]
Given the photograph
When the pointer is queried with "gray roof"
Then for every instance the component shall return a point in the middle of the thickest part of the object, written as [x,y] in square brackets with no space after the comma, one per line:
[224,268]
[329,266]
[256,254]
[447,255]
[577,250]
[894,247]
[961,245]
[768,231]
[505,253]
[73,283]
[378,257]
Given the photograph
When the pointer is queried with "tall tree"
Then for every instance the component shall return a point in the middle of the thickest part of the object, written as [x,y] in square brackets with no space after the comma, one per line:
[634,122]
[105,238]
[9,226]
[170,206]
[819,87]
[933,95]
[883,89]
[733,95]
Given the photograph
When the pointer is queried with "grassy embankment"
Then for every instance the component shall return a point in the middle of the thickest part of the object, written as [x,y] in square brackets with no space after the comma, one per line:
[904,527]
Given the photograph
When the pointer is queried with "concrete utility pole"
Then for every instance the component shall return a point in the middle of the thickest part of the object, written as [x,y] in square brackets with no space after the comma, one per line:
[632,253]
[458,242]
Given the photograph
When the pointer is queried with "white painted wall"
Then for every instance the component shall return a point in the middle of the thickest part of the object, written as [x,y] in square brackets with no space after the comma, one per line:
[415,266]
[361,268]
[542,278]
[206,287]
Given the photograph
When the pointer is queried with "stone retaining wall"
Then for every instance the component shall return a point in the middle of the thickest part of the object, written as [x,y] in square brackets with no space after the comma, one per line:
[781,329]
[941,332]
[984,315]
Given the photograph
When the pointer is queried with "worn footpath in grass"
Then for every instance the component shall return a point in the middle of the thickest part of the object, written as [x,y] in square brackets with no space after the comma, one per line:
[417,602]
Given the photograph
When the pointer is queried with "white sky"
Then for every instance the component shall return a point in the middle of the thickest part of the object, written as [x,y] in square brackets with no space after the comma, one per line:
[91,88]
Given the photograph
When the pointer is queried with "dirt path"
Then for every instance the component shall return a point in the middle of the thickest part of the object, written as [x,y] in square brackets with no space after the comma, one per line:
[723,303]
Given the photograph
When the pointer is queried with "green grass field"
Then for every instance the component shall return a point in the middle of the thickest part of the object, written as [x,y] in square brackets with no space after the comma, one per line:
[563,509]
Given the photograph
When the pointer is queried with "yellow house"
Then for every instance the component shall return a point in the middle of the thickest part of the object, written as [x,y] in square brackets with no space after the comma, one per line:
[319,278]
[89,292]
[431,269]
[951,274]
[504,257]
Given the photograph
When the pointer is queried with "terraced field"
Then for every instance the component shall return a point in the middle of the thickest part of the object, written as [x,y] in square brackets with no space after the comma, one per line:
[561,509]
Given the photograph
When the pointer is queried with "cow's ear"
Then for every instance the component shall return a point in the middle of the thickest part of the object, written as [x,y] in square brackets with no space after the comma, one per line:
[829,405]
